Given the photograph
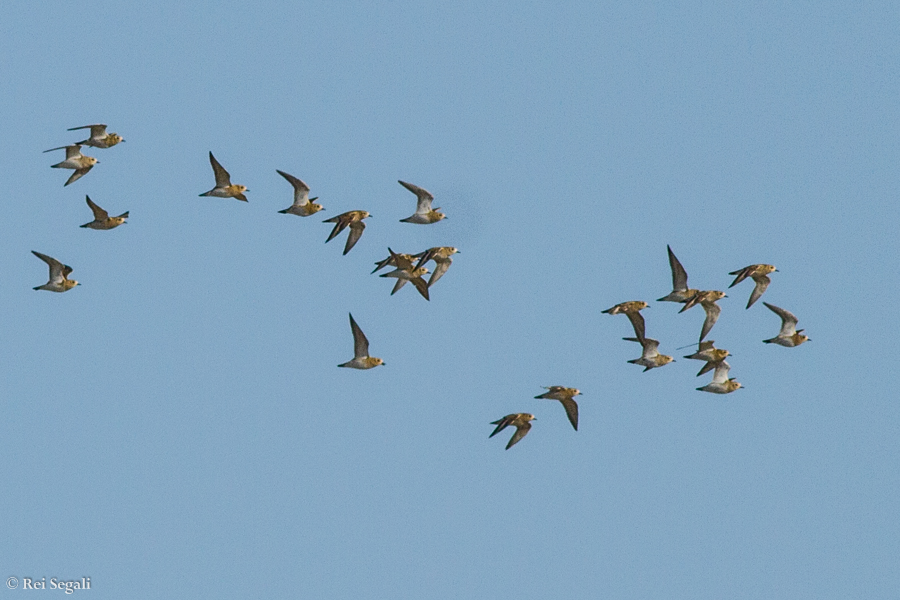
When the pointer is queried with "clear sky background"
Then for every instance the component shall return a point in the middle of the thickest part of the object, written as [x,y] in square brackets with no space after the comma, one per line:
[177,427]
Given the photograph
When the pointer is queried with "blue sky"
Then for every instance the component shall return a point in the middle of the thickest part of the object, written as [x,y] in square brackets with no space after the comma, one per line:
[177,425]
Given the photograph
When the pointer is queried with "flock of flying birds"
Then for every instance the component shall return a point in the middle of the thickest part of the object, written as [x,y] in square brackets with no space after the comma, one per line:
[411,268]
[714,358]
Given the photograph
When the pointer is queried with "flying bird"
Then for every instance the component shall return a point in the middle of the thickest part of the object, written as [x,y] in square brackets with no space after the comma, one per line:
[59,275]
[759,274]
[710,354]
[650,356]
[405,271]
[521,421]
[224,188]
[303,205]
[632,311]
[102,220]
[565,396]
[99,138]
[708,301]
[389,261]
[353,219]
[424,213]
[442,261]
[720,383]
[789,336]
[74,160]
[680,290]
[361,358]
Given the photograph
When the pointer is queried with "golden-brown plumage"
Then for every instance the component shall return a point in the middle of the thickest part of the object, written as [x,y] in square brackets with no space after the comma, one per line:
[565,396]
[352,219]
[759,274]
[102,220]
[521,421]
[632,310]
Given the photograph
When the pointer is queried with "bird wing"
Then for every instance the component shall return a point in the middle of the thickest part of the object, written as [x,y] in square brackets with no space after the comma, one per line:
[73,151]
[356,231]
[741,275]
[56,268]
[762,282]
[439,269]
[301,190]
[421,286]
[360,343]
[425,255]
[501,424]
[679,275]
[650,347]
[98,130]
[400,283]
[521,430]
[400,261]
[571,411]
[721,373]
[99,213]
[637,321]
[709,366]
[788,320]
[712,315]
[78,174]
[340,223]
[223,179]
[382,264]
[692,302]
[423,207]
